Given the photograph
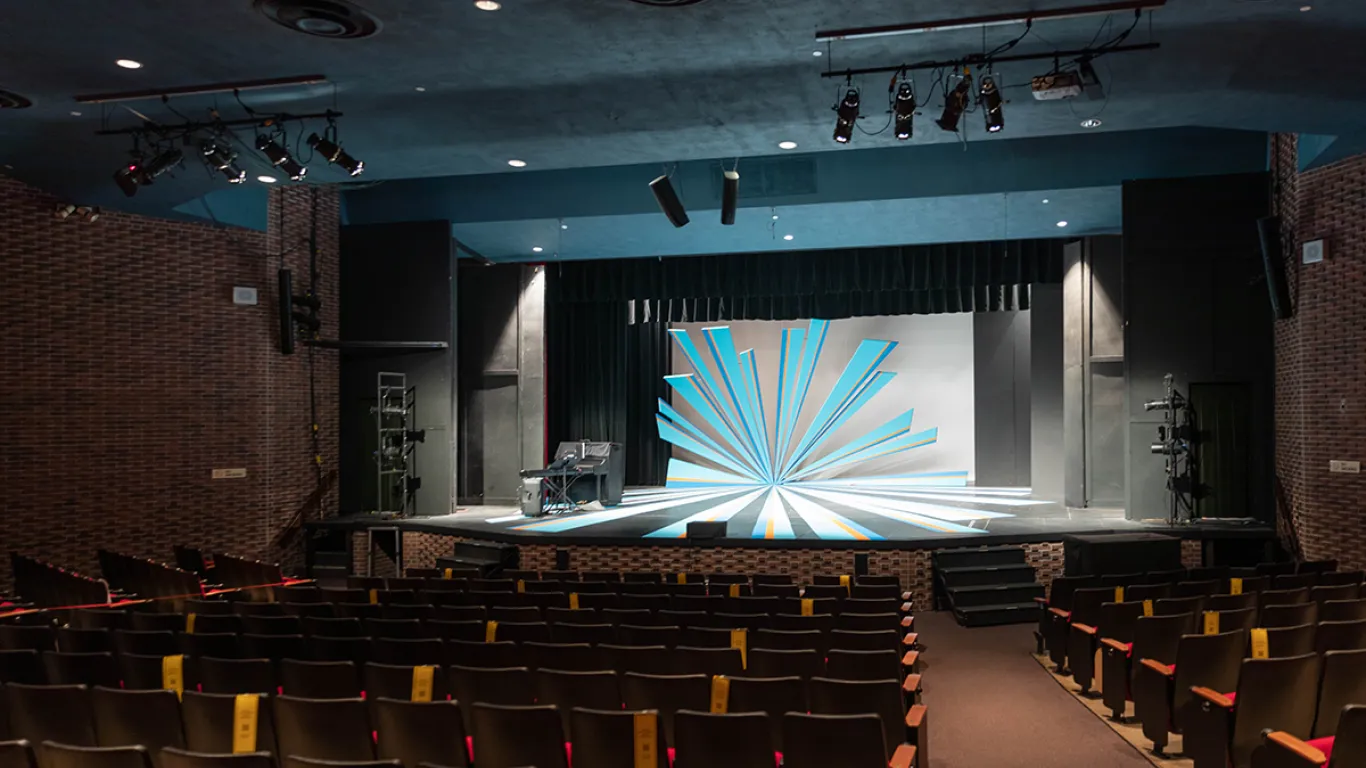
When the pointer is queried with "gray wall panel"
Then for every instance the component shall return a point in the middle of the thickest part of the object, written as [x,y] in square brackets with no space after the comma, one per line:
[1046,453]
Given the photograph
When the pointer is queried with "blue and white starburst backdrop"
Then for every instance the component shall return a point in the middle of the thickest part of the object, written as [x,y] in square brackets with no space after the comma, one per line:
[750,468]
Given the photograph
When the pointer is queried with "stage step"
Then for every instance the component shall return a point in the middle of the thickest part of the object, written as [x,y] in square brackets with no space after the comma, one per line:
[993,594]
[970,557]
[983,575]
[998,613]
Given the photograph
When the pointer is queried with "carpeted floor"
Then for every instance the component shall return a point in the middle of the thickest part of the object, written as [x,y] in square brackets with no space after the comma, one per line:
[992,706]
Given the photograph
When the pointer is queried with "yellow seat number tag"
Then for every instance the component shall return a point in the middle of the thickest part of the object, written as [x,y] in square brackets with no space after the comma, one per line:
[720,694]
[521,586]
[844,582]
[173,674]
[244,711]
[1235,586]
[1147,607]
[646,740]
[1261,644]
[491,632]
[737,640]
[733,590]
[1211,622]
[574,601]
[808,606]
[374,597]
[422,682]
[189,623]
[446,574]
[1119,594]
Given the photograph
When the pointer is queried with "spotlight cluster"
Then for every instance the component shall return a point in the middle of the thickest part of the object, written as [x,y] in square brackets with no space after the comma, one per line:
[960,97]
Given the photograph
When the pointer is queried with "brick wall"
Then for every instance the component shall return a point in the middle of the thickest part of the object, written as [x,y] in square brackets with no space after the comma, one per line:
[130,375]
[1321,356]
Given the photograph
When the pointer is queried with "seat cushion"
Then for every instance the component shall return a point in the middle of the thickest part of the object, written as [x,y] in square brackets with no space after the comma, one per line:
[1324,745]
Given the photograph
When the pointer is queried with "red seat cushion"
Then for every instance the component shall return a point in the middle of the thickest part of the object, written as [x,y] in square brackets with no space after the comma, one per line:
[1324,745]
[1233,697]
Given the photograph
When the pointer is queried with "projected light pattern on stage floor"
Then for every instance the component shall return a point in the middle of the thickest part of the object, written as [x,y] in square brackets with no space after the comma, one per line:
[758,474]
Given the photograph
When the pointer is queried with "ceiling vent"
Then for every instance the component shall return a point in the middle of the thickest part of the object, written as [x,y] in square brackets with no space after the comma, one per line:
[12,100]
[337,19]
[668,3]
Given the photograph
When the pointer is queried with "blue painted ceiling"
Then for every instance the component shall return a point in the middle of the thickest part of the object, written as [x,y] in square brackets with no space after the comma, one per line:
[598,96]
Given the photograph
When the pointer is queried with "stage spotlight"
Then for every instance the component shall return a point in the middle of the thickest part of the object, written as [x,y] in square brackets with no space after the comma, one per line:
[333,153]
[991,102]
[730,194]
[954,103]
[139,174]
[904,110]
[280,157]
[223,160]
[668,201]
[847,113]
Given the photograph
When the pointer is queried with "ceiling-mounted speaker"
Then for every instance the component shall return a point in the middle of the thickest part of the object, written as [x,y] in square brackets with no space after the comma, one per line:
[668,201]
[730,193]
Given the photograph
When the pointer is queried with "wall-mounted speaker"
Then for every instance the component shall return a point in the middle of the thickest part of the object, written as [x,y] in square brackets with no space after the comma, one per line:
[730,193]
[668,201]
[1269,233]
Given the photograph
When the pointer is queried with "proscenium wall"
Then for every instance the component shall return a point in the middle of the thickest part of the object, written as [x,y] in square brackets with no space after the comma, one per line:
[1320,401]
[130,375]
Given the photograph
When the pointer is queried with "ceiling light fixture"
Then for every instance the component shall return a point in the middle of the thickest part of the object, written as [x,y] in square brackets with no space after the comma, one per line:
[847,113]
[334,154]
[787,237]
[818,54]
[1306,8]
[954,104]
[992,102]
[75,114]
[904,109]
[129,64]
[564,226]
[266,179]
[537,249]
[280,157]
[139,174]
[787,145]
[420,89]
[1045,201]
[487,5]
[517,163]
[223,160]
[1091,122]
[1062,224]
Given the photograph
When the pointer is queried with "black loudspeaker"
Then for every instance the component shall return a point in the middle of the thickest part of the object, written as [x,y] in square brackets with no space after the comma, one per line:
[861,565]
[668,201]
[285,308]
[702,531]
[1269,232]
[730,193]
[561,559]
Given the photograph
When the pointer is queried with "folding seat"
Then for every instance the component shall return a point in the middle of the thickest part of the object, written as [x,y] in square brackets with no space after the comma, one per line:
[786,622]
[1288,615]
[649,603]
[1294,581]
[877,640]
[872,605]
[770,579]
[825,591]
[644,659]
[560,575]
[1112,620]
[862,622]
[593,634]
[1342,684]
[1231,602]
[127,718]
[208,607]
[59,713]
[353,649]
[25,666]
[1275,693]
[594,588]
[666,694]
[411,583]
[1290,641]
[1174,605]
[246,608]
[1343,610]
[507,736]
[55,755]
[851,741]
[1153,637]
[1335,578]
[705,637]
[901,723]
[597,601]
[298,594]
[1322,595]
[692,588]
[178,758]
[320,679]
[763,662]
[98,618]
[789,640]
[360,611]
[419,732]
[458,613]
[682,619]
[331,627]
[364,583]
[1345,749]
[326,729]
[72,640]
[509,686]
[567,690]
[397,611]
[209,720]
[1340,636]
[1165,577]
[875,591]
[16,754]
[641,588]
[1243,618]
[426,650]
[705,740]
[1249,584]
[146,621]
[707,661]
[579,657]
[749,621]
[1282,597]
[81,669]
[272,625]
[1275,569]
[19,637]
[521,613]
[467,630]
[725,580]
[393,681]
[1317,566]
[274,647]
[1058,605]
[863,665]
[781,591]
[1162,693]
[706,603]
[1206,573]
[516,574]
[619,616]
[396,629]
[607,576]
[751,605]
[213,624]
[544,586]
[772,696]
[1197,588]
[607,738]
[632,635]
[145,673]
[236,675]
[503,653]
[492,585]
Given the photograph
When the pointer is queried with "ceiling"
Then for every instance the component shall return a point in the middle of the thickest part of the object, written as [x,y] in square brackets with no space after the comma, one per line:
[579,87]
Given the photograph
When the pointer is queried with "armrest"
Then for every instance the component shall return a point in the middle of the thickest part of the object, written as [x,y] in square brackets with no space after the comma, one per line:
[1211,696]
[1308,754]
[910,659]
[907,622]
[915,716]
[1041,600]
[1060,613]
[911,684]
[1087,628]
[1115,645]
[1158,667]
[903,757]
[908,639]
[906,606]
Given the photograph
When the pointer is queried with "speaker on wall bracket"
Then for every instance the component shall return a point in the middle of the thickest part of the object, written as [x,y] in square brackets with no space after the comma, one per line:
[669,203]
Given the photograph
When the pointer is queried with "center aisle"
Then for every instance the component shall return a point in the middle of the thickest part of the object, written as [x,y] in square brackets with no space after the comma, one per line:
[992,706]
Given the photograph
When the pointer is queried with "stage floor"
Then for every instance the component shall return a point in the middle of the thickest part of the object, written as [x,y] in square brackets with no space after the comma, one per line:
[778,516]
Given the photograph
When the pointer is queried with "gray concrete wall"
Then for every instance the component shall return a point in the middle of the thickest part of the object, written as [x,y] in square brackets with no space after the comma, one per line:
[1046,454]
[1001,397]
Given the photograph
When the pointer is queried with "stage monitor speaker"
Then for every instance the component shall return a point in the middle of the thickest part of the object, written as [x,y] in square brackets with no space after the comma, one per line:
[704,531]
[561,559]
[668,201]
[1269,232]
[730,195]
[861,564]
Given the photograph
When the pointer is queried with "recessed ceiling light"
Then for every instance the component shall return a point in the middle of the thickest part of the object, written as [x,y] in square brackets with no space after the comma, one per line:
[420,89]
[564,226]
[517,163]
[1062,224]
[129,64]
[266,179]
[1045,201]
[775,217]
[75,114]
[537,249]
[487,5]
[787,237]
[1091,122]
[787,145]
[818,54]
[1306,8]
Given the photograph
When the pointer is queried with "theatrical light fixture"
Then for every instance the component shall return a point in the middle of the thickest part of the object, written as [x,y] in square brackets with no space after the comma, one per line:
[954,103]
[334,154]
[904,109]
[846,114]
[1091,122]
[139,174]
[730,196]
[991,101]
[223,160]
[280,157]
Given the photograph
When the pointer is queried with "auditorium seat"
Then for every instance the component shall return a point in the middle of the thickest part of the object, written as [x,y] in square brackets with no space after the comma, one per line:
[1340,636]
[1231,602]
[177,758]
[1155,638]
[648,602]
[773,696]
[302,610]
[848,741]
[704,603]
[1166,577]
[594,634]
[902,723]
[353,649]
[1282,597]
[789,640]
[820,606]
[574,657]
[520,613]
[298,594]
[1294,581]
[415,733]
[22,666]
[789,622]
[1174,605]
[1291,641]
[1162,693]
[325,729]
[566,689]
[1343,610]
[876,640]
[99,618]
[1323,594]
[507,686]
[706,661]
[705,740]
[748,621]
[345,596]
[331,627]
[863,665]
[271,625]
[601,576]
[466,630]
[209,719]
[81,669]
[777,590]
[52,754]
[360,611]
[667,694]
[879,604]
[1345,749]
[606,738]
[146,643]
[1251,584]
[1288,615]
[1275,569]
[860,622]
[273,647]
[645,659]
[320,679]
[208,607]
[571,576]
[18,754]
[392,681]
[682,619]
[364,583]
[497,655]
[388,650]
[247,608]
[146,621]
[763,662]
[60,713]
[1242,618]
[144,673]
[619,616]
[628,634]
[128,718]
[508,736]
[599,588]
[459,613]
[1226,726]
[215,624]
[1203,588]
[751,605]
[1055,615]
[411,583]
[236,675]
[1334,578]
[705,637]
[72,640]
[396,629]
[1113,620]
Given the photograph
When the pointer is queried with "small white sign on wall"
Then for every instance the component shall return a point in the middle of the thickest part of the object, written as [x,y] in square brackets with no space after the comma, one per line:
[1312,252]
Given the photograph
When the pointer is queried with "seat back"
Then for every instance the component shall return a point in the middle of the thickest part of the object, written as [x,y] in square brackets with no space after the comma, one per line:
[393,681]
[397,629]
[1291,641]
[1294,580]
[633,635]
[146,643]
[790,640]
[1289,615]
[667,694]
[1340,636]
[354,649]
[415,732]
[128,718]
[179,758]
[880,697]
[323,729]
[821,741]
[763,662]
[1323,594]
[59,713]
[876,640]
[1282,597]
[606,738]
[16,754]
[58,755]
[567,690]
[420,650]
[1157,637]
[1061,590]
[271,625]
[236,675]
[1086,604]
[772,696]
[1174,605]
[209,717]
[81,669]
[511,736]
[22,666]
[580,657]
[1273,694]
[594,634]
[1232,602]
[707,661]
[20,637]
[1243,618]
[1349,748]
[320,679]
[1155,591]
[645,659]
[1197,588]
[509,685]
[332,627]
[708,740]
[467,630]
[1342,610]
[1117,620]
[1343,683]
[863,665]
[1206,660]
[1333,578]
